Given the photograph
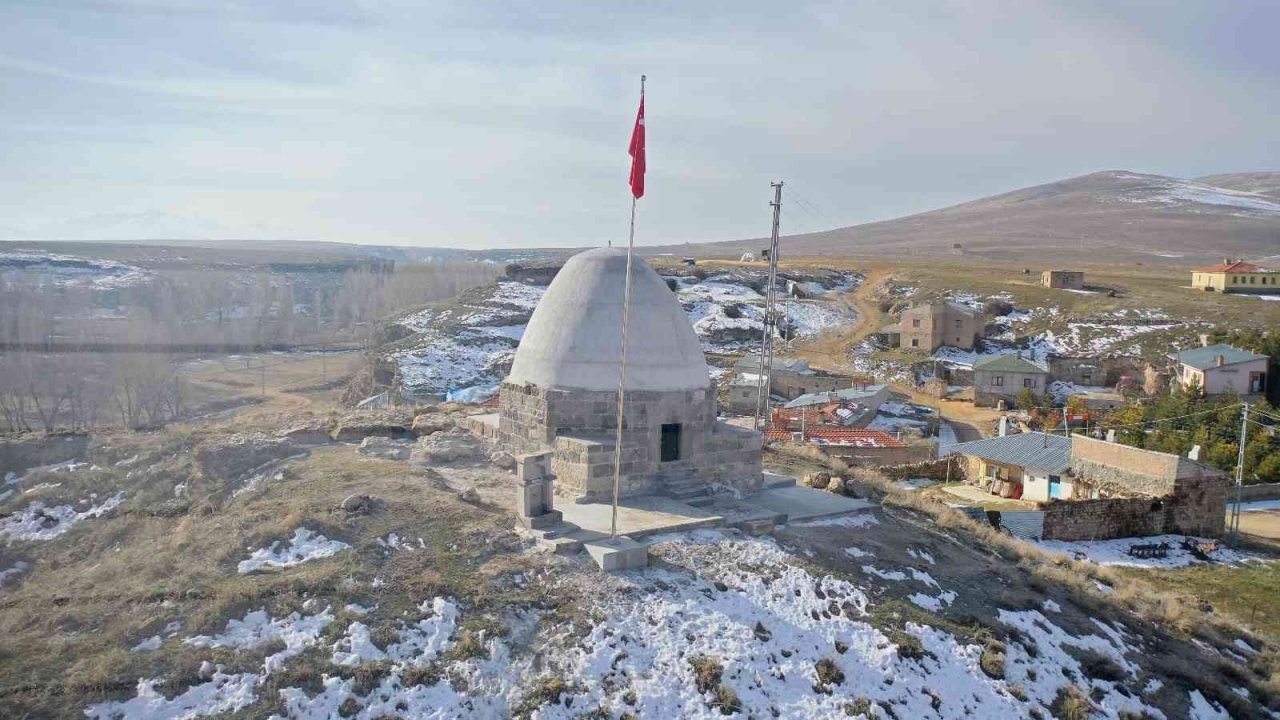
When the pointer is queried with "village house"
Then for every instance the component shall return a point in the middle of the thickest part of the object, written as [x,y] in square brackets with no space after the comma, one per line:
[1026,466]
[1216,369]
[1088,489]
[853,407]
[869,448]
[1004,377]
[1062,279]
[1235,277]
[790,378]
[928,327]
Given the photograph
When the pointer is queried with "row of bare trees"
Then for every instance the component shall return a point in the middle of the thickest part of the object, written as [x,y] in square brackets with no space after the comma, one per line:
[56,375]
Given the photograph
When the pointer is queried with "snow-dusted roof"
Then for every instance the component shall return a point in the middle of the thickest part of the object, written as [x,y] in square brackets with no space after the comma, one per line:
[573,339]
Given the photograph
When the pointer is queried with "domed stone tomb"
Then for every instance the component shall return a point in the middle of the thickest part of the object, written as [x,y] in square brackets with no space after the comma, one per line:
[561,393]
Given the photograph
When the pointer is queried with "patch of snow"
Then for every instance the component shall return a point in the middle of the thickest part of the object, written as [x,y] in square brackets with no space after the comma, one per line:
[304,546]
[852,521]
[38,522]
[920,555]
[1116,552]
[222,694]
[416,644]
[151,643]
[1204,709]
[297,632]
[1051,606]
[895,575]
[857,552]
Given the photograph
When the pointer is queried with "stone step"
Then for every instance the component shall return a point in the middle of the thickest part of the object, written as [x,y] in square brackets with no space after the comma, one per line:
[687,493]
[561,545]
[704,501]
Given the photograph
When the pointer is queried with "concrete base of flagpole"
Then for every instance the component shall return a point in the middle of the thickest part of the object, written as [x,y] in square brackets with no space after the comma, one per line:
[620,553]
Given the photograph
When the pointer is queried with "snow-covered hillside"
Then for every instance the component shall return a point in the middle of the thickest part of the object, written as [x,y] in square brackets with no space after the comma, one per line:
[472,343]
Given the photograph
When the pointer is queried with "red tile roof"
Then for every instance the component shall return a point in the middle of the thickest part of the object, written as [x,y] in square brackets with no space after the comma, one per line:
[1238,266]
[825,435]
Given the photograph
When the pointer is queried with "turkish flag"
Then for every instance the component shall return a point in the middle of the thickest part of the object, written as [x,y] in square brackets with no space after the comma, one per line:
[637,153]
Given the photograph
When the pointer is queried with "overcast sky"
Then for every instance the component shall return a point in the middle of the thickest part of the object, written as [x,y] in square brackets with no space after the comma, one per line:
[475,124]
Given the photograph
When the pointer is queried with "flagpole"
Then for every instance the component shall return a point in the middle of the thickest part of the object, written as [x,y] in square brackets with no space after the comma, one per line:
[622,372]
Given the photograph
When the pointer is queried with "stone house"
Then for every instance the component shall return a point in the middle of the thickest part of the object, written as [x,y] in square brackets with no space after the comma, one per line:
[1062,279]
[1004,377]
[1089,489]
[1027,466]
[1217,369]
[1235,277]
[790,378]
[928,327]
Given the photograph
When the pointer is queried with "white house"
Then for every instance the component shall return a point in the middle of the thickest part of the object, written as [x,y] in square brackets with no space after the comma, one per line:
[1216,369]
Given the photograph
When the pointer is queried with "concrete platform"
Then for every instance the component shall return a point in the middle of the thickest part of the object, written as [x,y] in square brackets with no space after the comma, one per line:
[756,514]
[638,517]
[620,553]
[801,503]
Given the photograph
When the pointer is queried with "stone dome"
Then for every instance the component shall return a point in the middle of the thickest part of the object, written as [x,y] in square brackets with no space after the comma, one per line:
[573,339]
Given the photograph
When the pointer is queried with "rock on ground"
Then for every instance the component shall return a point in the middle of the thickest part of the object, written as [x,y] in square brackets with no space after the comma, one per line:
[385,448]
[819,480]
[230,457]
[357,504]
[431,423]
[315,432]
[502,460]
[384,423]
[445,448]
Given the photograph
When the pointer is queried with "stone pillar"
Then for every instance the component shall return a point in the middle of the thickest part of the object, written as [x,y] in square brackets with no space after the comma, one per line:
[535,501]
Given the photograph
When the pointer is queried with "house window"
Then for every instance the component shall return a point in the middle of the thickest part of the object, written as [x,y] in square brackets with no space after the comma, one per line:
[915,342]
[669,446]
[957,324]
[1086,378]
[1028,382]
[1253,280]
[997,380]
[915,322]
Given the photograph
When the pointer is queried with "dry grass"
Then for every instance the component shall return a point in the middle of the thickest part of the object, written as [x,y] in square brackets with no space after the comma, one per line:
[111,582]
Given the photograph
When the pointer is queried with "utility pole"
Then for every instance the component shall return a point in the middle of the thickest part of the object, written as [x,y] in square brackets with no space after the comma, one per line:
[1235,509]
[770,319]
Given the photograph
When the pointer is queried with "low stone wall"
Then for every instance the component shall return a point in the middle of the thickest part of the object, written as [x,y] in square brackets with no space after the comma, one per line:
[1115,468]
[879,457]
[933,470]
[1260,491]
[17,454]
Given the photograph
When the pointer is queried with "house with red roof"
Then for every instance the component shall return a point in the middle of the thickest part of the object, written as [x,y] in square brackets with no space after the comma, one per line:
[1235,276]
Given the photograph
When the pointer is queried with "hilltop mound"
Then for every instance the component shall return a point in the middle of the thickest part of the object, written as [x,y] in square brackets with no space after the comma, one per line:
[1113,215]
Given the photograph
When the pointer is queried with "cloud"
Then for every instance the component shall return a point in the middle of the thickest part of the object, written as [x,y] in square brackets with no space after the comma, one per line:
[473,124]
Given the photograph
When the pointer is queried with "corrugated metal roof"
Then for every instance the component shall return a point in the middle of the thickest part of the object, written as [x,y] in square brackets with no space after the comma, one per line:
[845,395]
[1203,358]
[1034,450]
[1008,363]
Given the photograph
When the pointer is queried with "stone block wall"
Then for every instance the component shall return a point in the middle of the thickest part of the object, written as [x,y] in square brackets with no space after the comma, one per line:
[877,457]
[1104,519]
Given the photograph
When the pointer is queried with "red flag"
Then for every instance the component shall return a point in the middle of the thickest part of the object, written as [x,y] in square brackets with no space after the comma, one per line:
[637,153]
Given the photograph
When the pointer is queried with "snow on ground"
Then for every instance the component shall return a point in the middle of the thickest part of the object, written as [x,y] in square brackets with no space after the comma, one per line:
[18,568]
[1176,193]
[1260,297]
[439,362]
[152,643]
[38,522]
[960,358]
[741,604]
[305,545]
[1116,552]
[222,694]
[416,644]
[858,520]
[57,269]
[1204,709]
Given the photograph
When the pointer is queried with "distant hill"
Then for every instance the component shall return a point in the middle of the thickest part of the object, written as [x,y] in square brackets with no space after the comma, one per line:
[1262,183]
[1114,215]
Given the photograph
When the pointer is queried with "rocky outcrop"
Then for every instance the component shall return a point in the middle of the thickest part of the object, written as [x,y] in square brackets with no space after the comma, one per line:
[357,426]
[313,432]
[442,448]
[233,456]
[385,448]
[429,423]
